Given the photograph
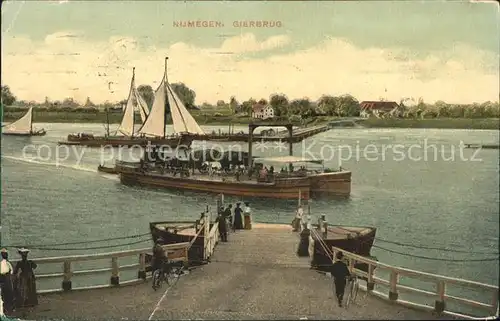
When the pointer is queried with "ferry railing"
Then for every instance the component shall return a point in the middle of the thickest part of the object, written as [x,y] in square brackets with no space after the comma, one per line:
[177,252]
[440,296]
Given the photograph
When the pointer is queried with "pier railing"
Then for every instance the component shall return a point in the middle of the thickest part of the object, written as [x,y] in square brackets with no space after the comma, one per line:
[117,272]
[438,300]
[177,252]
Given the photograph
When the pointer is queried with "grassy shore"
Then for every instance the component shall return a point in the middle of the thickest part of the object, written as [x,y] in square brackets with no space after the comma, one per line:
[450,123]
[204,119]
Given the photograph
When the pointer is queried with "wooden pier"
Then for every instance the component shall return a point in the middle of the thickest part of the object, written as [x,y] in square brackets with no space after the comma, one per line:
[255,275]
[297,136]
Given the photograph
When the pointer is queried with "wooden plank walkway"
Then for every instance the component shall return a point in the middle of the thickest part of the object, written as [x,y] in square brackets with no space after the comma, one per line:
[256,275]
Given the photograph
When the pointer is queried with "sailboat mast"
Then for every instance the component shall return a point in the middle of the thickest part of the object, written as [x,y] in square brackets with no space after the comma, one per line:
[165,79]
[31,121]
[132,83]
[107,122]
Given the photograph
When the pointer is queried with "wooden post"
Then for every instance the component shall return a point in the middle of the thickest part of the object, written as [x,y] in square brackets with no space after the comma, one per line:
[494,303]
[66,283]
[352,261]
[290,142]
[206,238]
[141,274]
[439,305]
[115,271]
[370,285]
[250,142]
[393,292]
[186,257]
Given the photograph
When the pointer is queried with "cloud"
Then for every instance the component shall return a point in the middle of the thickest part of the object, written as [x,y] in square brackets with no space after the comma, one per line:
[248,43]
[65,64]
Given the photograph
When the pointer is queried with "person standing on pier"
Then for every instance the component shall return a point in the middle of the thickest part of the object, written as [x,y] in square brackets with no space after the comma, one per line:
[228,214]
[298,219]
[221,221]
[248,216]
[340,273]
[26,283]
[6,283]
[238,219]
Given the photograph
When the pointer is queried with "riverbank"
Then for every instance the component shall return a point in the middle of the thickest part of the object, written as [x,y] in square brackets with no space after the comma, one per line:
[203,119]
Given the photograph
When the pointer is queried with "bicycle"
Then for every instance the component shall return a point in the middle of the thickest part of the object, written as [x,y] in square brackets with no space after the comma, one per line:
[353,290]
[170,277]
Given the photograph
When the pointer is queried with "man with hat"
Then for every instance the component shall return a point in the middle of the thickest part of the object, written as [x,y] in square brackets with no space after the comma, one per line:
[6,284]
[26,283]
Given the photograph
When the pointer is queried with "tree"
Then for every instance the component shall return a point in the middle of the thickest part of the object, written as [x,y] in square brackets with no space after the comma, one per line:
[262,102]
[280,103]
[328,104]
[220,103]
[247,106]
[348,106]
[88,103]
[234,105]
[147,94]
[301,107]
[8,97]
[185,94]
[69,102]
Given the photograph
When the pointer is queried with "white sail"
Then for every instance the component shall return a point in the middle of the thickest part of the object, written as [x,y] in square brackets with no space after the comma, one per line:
[22,125]
[155,122]
[142,105]
[181,118]
[127,125]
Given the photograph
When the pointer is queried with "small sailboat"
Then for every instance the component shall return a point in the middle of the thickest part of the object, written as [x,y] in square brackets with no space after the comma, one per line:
[23,126]
[126,129]
[134,101]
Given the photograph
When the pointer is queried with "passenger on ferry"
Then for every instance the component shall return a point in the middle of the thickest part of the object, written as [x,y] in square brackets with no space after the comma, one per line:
[26,284]
[340,273]
[238,219]
[6,283]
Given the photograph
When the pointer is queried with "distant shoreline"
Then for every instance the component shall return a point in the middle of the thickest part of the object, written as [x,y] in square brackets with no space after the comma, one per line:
[115,118]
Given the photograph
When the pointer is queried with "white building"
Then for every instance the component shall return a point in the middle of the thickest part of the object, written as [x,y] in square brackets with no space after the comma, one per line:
[262,112]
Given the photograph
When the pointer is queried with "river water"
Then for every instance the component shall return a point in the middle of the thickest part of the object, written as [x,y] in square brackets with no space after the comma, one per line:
[417,186]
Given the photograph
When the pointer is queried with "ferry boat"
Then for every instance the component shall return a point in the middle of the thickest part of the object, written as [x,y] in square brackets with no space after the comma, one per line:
[285,184]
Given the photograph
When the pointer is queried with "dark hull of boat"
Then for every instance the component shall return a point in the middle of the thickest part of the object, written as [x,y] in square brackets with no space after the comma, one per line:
[479,146]
[39,133]
[286,189]
[117,141]
[108,170]
[195,253]
[335,183]
[360,245]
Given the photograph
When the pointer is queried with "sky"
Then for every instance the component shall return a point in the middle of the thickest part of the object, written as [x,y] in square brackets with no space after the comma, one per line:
[437,50]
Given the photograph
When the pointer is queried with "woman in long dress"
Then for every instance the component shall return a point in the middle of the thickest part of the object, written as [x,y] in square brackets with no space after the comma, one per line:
[6,284]
[26,284]
[238,219]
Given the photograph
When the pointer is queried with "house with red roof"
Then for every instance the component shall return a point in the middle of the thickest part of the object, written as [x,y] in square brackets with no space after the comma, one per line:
[379,109]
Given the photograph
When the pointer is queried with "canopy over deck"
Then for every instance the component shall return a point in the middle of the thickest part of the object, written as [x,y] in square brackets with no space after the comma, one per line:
[289,159]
